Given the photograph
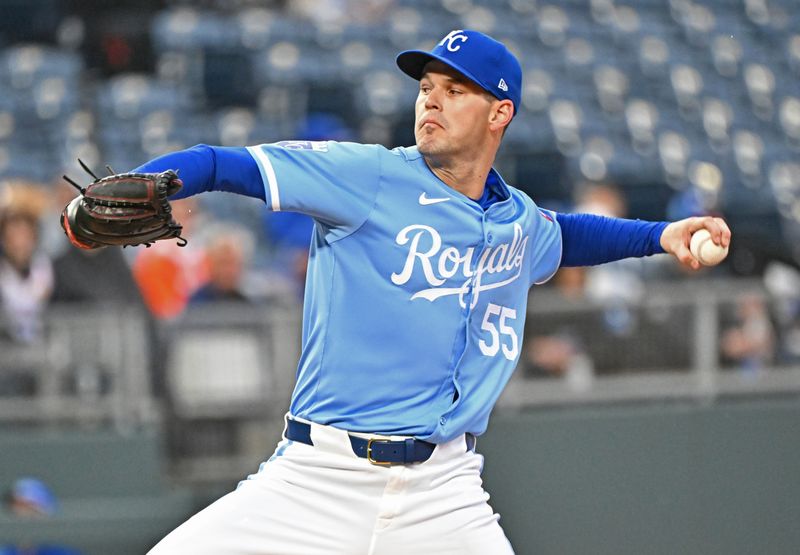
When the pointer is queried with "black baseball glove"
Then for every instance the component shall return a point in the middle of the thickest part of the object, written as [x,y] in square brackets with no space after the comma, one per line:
[122,209]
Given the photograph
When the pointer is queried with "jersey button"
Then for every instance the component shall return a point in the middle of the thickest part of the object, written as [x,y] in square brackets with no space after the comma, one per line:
[443,421]
[489,238]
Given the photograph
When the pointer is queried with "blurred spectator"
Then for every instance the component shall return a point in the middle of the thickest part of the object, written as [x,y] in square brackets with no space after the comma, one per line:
[31,498]
[617,285]
[53,240]
[560,353]
[168,275]
[96,277]
[26,275]
[749,343]
[783,284]
[101,275]
[227,253]
[81,275]
[597,325]
[25,286]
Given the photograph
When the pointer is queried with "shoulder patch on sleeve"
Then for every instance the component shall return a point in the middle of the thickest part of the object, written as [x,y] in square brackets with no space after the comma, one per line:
[546,215]
[316,146]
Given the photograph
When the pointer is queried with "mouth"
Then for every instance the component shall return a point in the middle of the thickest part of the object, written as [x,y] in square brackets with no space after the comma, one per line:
[430,122]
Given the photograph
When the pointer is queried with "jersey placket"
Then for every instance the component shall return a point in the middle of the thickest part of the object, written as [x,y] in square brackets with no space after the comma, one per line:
[486,238]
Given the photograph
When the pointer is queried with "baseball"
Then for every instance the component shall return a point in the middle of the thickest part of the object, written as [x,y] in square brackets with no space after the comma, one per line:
[705,250]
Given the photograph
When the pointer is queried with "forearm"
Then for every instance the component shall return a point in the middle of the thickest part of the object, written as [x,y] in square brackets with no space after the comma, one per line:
[210,168]
[589,240]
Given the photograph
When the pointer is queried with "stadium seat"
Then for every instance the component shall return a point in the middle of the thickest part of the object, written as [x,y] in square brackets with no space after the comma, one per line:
[537,87]
[789,118]
[717,121]
[642,118]
[22,66]
[185,28]
[132,96]
[612,86]
[793,53]
[726,54]
[687,85]
[236,126]
[566,118]
[654,56]
[552,26]
[760,82]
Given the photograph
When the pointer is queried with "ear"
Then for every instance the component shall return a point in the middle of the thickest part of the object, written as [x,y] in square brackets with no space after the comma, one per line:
[501,114]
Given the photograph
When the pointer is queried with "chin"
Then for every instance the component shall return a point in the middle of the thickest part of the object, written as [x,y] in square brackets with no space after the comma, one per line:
[429,147]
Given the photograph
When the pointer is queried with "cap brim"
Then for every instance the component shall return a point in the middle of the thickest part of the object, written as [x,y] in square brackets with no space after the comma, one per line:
[412,63]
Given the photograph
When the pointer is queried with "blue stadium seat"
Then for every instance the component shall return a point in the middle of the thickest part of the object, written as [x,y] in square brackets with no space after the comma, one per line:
[385,94]
[244,126]
[612,85]
[287,62]
[132,96]
[789,119]
[653,56]
[552,26]
[258,28]
[783,175]
[23,66]
[186,28]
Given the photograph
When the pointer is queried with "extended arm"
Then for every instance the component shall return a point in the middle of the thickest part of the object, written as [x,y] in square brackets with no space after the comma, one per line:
[590,240]
[211,168]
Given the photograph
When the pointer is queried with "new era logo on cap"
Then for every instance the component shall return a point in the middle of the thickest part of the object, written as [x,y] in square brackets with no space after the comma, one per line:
[479,57]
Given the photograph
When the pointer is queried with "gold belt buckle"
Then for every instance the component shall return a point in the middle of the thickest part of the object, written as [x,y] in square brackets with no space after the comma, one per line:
[369,451]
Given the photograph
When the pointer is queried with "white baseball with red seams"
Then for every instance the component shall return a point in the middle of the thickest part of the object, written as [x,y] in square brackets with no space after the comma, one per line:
[705,250]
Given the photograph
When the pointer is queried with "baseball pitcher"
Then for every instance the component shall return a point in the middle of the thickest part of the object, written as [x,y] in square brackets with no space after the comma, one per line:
[420,266]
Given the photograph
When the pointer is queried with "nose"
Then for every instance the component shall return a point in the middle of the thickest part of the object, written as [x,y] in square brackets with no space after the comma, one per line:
[433,99]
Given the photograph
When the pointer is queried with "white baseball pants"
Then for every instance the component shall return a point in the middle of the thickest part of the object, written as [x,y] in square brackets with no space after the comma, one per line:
[324,500]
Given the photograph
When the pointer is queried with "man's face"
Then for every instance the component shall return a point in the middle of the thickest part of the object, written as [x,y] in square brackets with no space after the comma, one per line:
[452,112]
[18,240]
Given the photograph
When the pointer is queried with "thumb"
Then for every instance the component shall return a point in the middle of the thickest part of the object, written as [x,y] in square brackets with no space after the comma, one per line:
[685,257]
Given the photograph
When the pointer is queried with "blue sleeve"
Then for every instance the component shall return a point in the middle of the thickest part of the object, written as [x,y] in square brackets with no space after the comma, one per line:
[589,240]
[211,168]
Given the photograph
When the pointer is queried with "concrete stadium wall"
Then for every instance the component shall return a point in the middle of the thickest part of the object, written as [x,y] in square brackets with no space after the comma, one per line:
[655,478]
[113,497]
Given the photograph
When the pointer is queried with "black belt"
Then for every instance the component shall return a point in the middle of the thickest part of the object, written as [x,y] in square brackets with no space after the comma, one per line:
[376,451]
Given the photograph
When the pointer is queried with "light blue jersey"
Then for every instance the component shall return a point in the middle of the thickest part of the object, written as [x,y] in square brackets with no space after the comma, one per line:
[415,297]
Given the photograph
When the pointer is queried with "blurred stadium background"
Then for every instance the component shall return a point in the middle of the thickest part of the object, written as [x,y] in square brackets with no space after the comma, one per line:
[653,410]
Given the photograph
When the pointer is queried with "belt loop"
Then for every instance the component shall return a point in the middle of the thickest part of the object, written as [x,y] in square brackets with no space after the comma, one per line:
[285,425]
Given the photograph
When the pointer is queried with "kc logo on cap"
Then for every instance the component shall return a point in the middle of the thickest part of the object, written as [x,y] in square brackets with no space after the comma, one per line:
[479,57]
[451,37]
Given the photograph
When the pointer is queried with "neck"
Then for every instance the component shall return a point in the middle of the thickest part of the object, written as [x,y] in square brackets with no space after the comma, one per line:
[468,177]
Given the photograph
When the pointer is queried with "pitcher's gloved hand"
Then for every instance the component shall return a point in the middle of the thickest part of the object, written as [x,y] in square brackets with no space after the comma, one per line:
[122,209]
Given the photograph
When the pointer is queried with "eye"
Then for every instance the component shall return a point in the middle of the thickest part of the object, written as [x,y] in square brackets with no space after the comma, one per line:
[455,92]
[425,88]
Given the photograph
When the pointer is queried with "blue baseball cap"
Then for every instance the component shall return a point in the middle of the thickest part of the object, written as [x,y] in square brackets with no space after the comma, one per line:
[480,58]
[35,494]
